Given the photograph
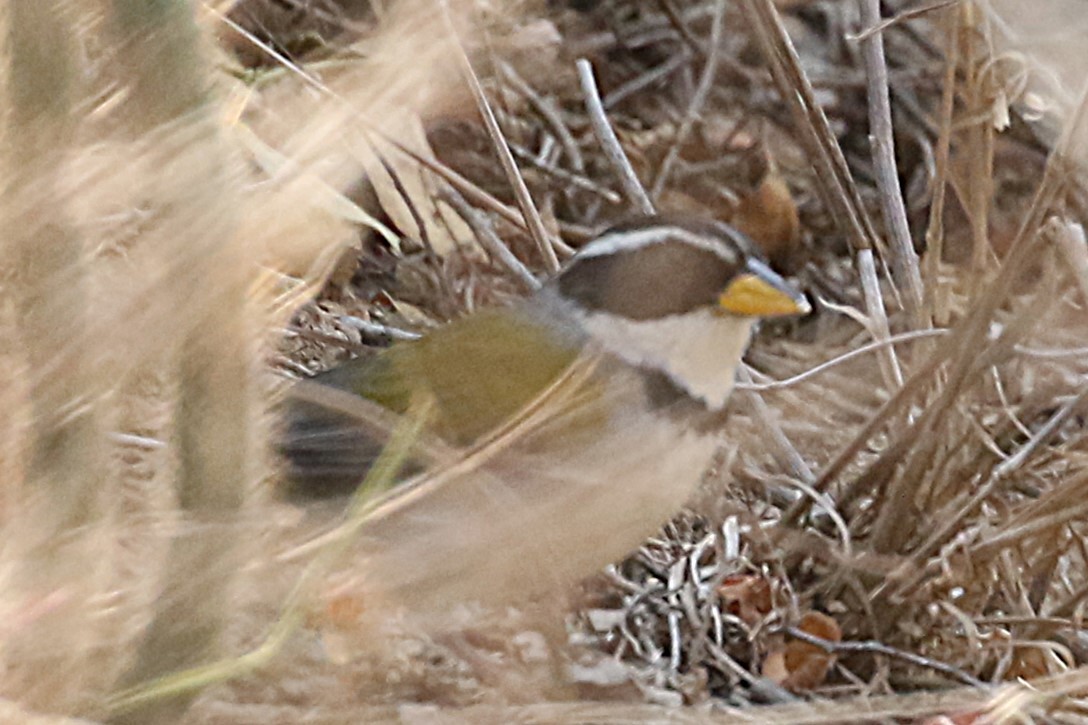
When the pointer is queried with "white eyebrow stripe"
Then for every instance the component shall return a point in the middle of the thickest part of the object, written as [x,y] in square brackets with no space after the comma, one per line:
[618,241]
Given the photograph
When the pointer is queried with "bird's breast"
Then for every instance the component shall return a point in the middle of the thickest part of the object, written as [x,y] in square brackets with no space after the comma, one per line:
[540,515]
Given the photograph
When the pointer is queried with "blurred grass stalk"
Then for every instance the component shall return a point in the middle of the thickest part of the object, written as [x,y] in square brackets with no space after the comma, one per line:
[65,459]
[169,89]
[133,239]
[74,362]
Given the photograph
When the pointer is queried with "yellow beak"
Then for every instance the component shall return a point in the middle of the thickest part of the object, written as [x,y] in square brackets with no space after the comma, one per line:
[760,292]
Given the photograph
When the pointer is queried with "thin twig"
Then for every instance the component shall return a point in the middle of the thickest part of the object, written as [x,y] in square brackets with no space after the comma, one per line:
[406,197]
[565,176]
[879,648]
[904,261]
[787,452]
[837,186]
[524,199]
[845,357]
[980,550]
[602,129]
[969,355]
[548,111]
[935,306]
[970,358]
[878,318]
[645,79]
[908,14]
[681,25]
[489,240]
[377,333]
[698,99]
[1044,434]
[654,29]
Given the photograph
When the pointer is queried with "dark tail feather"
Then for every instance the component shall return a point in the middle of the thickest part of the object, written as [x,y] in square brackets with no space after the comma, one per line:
[326,454]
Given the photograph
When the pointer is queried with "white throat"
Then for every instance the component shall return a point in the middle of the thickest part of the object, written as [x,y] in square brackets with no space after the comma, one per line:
[698,351]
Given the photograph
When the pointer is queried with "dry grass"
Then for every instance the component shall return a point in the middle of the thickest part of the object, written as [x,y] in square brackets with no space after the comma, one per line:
[910,461]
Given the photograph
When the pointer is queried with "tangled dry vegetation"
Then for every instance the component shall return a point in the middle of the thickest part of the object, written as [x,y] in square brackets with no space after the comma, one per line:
[894,530]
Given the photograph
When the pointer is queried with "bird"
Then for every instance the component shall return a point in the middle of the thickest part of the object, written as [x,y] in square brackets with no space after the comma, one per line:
[564,429]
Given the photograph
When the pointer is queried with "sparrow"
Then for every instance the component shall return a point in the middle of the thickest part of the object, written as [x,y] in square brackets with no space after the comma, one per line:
[564,429]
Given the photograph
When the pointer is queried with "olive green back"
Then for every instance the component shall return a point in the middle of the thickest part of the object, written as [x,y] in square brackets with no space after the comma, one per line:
[479,370]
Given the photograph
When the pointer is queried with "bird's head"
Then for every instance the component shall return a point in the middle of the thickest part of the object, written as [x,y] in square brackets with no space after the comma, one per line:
[677,297]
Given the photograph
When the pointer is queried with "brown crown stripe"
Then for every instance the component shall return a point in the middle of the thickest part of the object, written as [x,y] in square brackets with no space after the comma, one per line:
[614,273]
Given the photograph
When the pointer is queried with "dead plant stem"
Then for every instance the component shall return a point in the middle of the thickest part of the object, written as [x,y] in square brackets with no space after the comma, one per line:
[904,261]
[698,99]
[606,136]
[529,212]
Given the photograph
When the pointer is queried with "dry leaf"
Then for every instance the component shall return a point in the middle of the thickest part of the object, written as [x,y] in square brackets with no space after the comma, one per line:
[746,596]
[800,665]
[1028,663]
[768,215]
[344,610]
[339,620]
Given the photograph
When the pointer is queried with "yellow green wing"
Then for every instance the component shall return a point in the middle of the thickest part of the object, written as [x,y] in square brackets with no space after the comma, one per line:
[479,371]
